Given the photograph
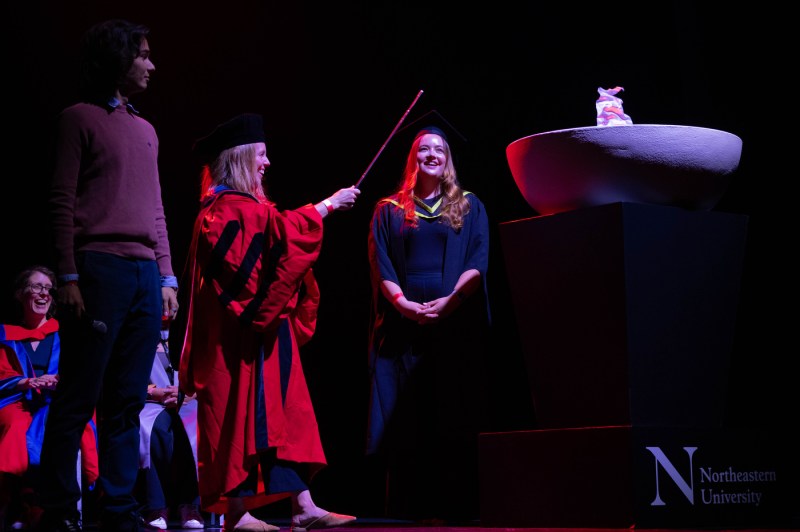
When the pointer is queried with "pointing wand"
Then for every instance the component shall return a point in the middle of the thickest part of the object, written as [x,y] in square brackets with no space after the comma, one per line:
[388,139]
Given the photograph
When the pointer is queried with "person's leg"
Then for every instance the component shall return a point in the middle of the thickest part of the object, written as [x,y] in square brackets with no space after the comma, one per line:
[79,479]
[157,476]
[15,418]
[290,477]
[237,517]
[186,490]
[10,499]
[84,354]
[125,383]
[306,515]
[460,403]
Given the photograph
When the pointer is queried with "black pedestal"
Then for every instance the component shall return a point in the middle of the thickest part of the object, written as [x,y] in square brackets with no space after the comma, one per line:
[629,477]
[626,314]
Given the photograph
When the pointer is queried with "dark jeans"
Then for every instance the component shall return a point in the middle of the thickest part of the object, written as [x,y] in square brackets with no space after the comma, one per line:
[171,479]
[107,370]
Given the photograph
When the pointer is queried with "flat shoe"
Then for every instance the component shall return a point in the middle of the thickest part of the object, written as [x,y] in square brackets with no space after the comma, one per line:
[248,523]
[191,516]
[329,520]
[159,523]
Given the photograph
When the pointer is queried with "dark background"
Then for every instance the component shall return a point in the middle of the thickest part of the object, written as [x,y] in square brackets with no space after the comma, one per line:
[332,81]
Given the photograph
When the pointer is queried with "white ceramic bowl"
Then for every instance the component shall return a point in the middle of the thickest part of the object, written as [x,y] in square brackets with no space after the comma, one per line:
[567,169]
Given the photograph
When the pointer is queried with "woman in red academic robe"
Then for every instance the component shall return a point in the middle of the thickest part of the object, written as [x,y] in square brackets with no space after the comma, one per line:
[253,302]
[29,357]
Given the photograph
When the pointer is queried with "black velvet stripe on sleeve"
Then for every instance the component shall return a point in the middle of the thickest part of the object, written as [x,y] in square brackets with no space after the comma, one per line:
[273,255]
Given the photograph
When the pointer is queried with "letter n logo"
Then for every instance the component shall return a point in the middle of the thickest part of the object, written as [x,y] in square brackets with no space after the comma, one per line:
[687,488]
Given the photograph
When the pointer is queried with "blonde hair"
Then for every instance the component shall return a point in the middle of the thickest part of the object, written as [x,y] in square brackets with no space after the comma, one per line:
[454,205]
[233,168]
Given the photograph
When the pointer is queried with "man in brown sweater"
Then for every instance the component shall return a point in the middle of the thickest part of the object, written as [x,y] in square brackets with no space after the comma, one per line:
[115,277]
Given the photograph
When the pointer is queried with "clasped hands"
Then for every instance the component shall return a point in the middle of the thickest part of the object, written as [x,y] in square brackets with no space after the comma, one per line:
[167,396]
[43,382]
[427,312]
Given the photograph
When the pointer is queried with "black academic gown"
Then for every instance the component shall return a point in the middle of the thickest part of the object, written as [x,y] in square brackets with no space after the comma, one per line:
[426,399]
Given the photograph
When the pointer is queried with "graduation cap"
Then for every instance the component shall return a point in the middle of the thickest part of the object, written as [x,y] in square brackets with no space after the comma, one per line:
[246,128]
[430,122]
[433,122]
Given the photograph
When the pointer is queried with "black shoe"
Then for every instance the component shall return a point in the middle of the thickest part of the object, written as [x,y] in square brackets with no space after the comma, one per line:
[129,522]
[60,522]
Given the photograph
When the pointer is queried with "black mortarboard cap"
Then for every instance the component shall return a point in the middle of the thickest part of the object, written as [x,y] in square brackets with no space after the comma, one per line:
[247,128]
[400,143]
[433,122]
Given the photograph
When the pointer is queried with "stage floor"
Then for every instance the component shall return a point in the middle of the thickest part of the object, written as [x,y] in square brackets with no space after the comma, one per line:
[376,525]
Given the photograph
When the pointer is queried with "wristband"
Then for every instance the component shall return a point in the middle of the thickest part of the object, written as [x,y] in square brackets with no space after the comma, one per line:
[397,296]
[328,204]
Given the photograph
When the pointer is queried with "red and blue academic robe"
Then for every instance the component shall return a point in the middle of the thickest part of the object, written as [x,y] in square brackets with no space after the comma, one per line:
[23,413]
[253,302]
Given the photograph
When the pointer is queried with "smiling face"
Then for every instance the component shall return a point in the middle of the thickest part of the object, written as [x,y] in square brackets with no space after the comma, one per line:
[36,299]
[138,77]
[253,163]
[260,161]
[431,156]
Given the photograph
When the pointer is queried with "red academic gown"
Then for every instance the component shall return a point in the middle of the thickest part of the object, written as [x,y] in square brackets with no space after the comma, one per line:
[23,414]
[248,262]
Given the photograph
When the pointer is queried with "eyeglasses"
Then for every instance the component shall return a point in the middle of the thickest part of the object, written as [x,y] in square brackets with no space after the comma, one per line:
[39,288]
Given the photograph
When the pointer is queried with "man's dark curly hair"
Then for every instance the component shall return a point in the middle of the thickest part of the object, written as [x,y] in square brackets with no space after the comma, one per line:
[107,53]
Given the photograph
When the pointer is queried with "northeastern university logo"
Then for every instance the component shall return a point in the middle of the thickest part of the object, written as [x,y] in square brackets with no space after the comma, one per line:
[705,485]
